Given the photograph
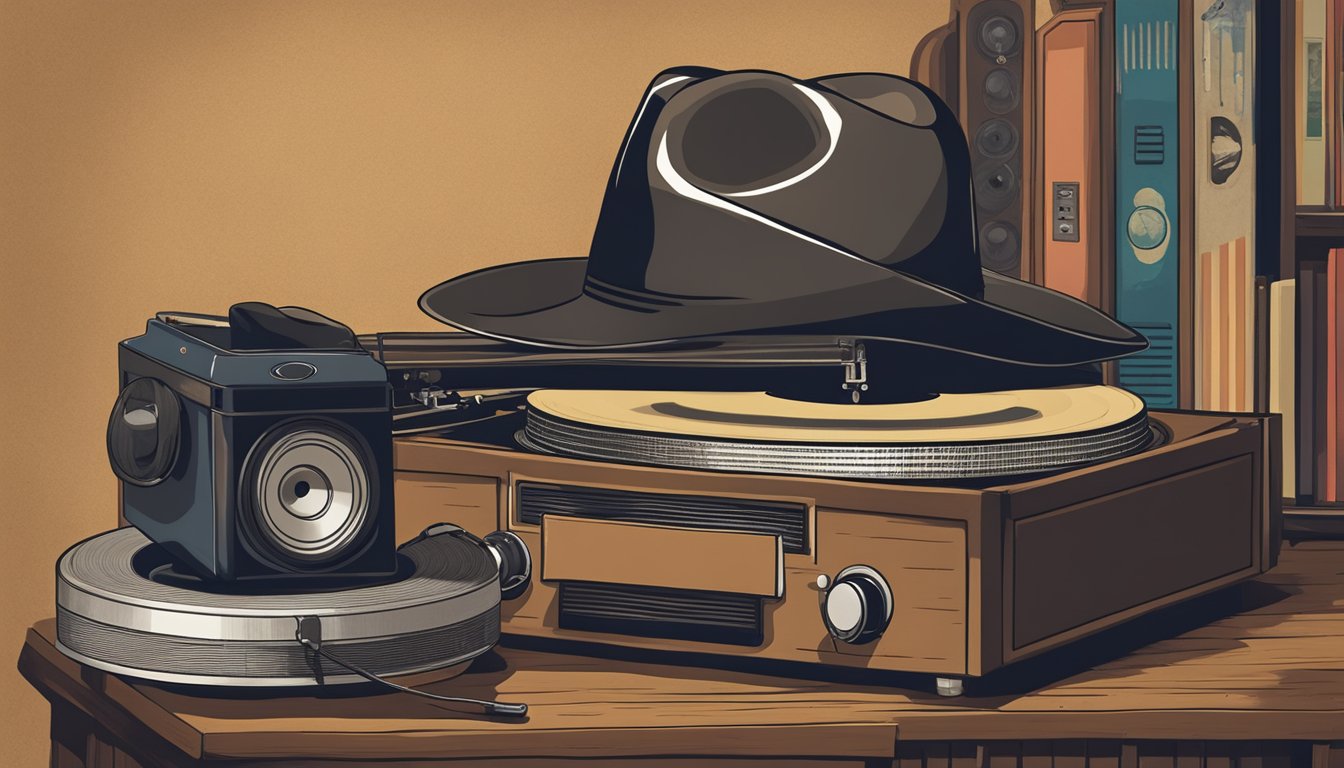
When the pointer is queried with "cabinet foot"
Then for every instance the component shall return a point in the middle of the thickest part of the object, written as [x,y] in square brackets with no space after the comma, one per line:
[949,686]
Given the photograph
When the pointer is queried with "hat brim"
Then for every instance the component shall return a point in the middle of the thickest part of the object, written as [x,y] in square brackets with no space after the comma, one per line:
[543,303]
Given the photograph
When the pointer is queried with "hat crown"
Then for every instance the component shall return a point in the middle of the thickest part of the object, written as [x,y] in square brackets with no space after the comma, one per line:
[748,136]
[751,203]
[869,167]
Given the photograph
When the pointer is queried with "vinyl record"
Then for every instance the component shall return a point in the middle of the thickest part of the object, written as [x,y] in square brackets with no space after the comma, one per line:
[947,437]
[115,612]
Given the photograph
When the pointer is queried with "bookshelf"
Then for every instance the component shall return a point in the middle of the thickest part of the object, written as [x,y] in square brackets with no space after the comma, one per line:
[1309,232]
[1323,225]
[1313,520]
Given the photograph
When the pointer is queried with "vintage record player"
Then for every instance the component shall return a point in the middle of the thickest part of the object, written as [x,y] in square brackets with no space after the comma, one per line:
[719,522]
[780,410]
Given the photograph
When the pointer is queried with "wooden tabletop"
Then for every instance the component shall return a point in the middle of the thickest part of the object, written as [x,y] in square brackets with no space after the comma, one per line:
[1264,660]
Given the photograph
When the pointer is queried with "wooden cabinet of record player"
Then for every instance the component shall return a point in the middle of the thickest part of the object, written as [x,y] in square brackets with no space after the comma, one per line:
[974,578]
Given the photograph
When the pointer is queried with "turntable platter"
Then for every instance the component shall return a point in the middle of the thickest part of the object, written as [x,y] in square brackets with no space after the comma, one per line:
[947,437]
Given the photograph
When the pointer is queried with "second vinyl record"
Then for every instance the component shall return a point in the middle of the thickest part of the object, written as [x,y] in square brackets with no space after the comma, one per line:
[947,437]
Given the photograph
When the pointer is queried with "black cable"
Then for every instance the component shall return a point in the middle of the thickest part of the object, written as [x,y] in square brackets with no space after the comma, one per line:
[309,635]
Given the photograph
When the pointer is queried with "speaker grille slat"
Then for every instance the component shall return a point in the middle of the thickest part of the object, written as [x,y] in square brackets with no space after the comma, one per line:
[788,520]
[1151,374]
[712,617]
[1150,145]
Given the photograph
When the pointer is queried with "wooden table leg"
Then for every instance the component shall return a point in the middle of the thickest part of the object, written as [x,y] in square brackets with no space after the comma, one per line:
[70,737]
[77,741]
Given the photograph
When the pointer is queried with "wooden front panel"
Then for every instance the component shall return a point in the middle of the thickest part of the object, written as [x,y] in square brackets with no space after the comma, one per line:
[890,527]
[1085,562]
[1197,440]
[425,498]
[608,552]
[907,536]
[924,563]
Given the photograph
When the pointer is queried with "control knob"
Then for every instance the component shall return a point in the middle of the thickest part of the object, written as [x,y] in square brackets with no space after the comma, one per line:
[856,605]
[515,562]
[508,550]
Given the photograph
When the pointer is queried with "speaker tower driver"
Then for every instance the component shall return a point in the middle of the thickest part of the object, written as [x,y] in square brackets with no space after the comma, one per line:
[996,42]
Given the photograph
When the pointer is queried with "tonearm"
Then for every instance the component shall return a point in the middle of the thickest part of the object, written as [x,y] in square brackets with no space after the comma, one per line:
[438,370]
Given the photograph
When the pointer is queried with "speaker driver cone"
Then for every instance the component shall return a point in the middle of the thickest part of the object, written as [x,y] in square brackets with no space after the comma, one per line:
[1000,247]
[309,488]
[1002,94]
[999,37]
[996,138]
[995,188]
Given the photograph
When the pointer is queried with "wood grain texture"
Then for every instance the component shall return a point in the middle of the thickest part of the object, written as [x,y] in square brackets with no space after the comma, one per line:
[569,762]
[615,552]
[1077,564]
[948,552]
[925,560]
[927,554]
[580,707]
[1160,753]
[1273,670]
[1336,758]
[424,499]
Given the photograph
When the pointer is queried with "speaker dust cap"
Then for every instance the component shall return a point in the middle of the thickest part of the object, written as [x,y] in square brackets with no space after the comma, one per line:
[307,493]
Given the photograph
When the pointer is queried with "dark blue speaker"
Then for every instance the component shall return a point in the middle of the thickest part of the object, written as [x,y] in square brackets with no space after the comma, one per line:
[257,446]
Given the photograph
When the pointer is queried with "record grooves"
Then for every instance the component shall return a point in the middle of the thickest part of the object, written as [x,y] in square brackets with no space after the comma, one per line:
[960,438]
[442,611]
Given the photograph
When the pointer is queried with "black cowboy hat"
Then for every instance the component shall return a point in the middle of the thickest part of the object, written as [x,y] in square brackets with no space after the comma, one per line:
[754,203]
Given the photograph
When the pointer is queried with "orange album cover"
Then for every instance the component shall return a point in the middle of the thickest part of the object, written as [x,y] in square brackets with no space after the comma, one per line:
[1070,125]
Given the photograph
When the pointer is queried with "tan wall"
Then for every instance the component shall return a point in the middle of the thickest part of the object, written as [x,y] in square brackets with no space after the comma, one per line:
[343,156]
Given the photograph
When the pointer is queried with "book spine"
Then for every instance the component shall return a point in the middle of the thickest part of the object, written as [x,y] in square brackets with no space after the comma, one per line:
[1244,328]
[1334,381]
[1299,97]
[1312,157]
[1320,355]
[1330,97]
[1148,156]
[1223,160]
[1334,84]
[1306,380]
[1261,361]
[1204,326]
[1070,130]
[1283,374]
[1222,359]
